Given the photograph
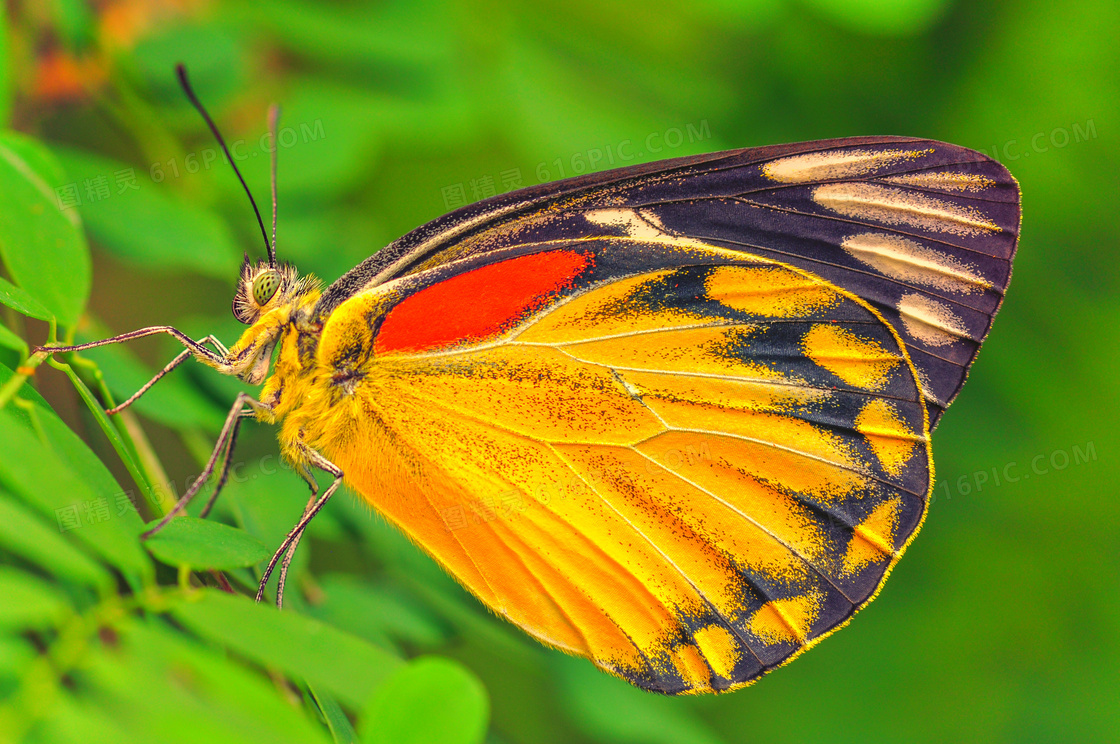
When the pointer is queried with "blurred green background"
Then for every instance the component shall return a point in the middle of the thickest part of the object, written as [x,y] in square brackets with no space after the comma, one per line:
[1001,624]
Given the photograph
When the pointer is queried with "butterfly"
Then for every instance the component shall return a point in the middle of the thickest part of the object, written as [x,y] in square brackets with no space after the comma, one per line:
[674,418]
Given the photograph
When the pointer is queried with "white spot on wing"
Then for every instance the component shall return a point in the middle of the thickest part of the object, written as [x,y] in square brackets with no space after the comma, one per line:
[834,164]
[910,261]
[633,224]
[651,217]
[943,180]
[930,321]
[865,201]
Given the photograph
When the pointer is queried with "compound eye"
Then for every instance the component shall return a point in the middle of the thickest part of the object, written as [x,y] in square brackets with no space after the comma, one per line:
[265,286]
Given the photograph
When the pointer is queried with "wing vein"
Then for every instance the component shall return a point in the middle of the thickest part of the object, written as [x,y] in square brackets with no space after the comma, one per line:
[700,592]
[793,551]
[734,378]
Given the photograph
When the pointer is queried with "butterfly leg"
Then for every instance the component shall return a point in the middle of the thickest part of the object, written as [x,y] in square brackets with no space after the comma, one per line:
[195,347]
[284,564]
[314,505]
[183,356]
[243,406]
[216,359]
[223,474]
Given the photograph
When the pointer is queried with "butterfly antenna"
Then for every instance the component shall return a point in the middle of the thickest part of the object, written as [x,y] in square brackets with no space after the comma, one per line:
[273,123]
[181,71]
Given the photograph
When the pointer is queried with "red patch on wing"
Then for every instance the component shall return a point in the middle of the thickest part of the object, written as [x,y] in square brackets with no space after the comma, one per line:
[479,303]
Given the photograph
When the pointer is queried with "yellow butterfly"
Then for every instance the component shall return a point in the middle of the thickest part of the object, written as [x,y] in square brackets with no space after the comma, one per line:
[673,418]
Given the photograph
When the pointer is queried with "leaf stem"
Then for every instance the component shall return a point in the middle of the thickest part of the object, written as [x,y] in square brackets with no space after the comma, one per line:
[23,372]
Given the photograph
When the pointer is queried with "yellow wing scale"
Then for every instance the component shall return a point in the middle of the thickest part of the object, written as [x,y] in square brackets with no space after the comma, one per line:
[685,492]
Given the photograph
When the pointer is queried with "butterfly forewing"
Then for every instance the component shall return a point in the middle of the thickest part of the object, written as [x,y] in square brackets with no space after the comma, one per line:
[922,230]
[684,463]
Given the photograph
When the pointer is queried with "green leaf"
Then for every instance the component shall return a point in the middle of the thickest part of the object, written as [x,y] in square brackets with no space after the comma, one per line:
[86,463]
[432,699]
[41,241]
[36,155]
[341,730]
[346,666]
[164,687]
[20,301]
[26,535]
[55,472]
[9,340]
[145,223]
[124,449]
[204,543]
[267,498]
[28,601]
[76,719]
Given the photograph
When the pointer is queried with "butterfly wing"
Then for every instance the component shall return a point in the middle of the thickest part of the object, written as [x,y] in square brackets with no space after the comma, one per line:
[682,462]
[922,230]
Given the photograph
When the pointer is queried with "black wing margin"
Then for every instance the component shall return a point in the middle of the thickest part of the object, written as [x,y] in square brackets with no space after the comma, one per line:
[924,231]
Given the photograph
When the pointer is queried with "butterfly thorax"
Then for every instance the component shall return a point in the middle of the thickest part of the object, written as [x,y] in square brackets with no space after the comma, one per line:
[324,361]
[296,336]
[309,392]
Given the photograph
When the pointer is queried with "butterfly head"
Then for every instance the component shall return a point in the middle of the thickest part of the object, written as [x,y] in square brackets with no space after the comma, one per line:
[264,286]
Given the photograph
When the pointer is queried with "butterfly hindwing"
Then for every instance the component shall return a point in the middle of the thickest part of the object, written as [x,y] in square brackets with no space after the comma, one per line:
[680,461]
[922,230]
